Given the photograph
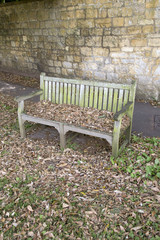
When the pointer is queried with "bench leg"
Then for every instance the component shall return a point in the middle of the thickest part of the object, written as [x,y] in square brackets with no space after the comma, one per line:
[62,136]
[116,135]
[20,120]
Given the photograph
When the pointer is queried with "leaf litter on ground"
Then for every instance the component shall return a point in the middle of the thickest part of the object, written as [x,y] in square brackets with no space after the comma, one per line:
[49,194]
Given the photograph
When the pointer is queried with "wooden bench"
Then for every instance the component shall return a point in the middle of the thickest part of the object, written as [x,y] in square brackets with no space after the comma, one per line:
[117,98]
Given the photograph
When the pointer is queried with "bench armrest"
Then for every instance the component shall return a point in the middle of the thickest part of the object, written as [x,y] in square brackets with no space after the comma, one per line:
[25,97]
[123,111]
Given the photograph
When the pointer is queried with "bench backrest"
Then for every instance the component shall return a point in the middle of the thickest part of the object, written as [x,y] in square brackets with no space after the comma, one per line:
[86,93]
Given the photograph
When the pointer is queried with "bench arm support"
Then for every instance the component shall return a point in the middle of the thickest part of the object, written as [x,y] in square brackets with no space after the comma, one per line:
[125,110]
[25,97]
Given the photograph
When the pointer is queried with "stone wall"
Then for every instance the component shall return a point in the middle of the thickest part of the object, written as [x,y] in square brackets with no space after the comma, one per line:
[110,40]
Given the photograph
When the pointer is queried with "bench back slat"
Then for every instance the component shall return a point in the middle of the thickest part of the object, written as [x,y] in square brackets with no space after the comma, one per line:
[115,99]
[73,93]
[101,95]
[86,96]
[91,94]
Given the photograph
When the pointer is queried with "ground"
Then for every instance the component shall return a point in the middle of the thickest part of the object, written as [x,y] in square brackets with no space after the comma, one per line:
[75,194]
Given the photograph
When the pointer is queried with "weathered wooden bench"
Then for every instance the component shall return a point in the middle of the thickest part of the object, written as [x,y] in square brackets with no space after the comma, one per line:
[117,98]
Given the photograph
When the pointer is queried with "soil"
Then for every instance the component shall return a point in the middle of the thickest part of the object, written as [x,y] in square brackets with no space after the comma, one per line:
[19,79]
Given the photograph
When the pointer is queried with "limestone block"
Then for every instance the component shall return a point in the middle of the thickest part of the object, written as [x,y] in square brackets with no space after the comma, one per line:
[108,31]
[101,23]
[99,75]
[70,72]
[112,77]
[93,41]
[100,61]
[152,3]
[127,49]
[80,13]
[52,69]
[88,59]
[67,64]
[114,12]
[127,60]
[148,29]
[134,30]
[87,23]
[91,66]
[86,51]
[52,14]
[79,73]
[156,70]
[72,23]
[118,55]
[80,41]
[150,13]
[109,68]
[68,15]
[89,75]
[42,15]
[74,50]
[156,52]
[139,42]
[143,79]
[77,59]
[91,13]
[50,63]
[58,70]
[70,58]
[57,64]
[85,32]
[130,21]
[146,22]
[75,65]
[103,52]
[119,31]
[102,13]
[110,41]
[118,22]
[70,41]
[95,31]
[155,42]
[126,12]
